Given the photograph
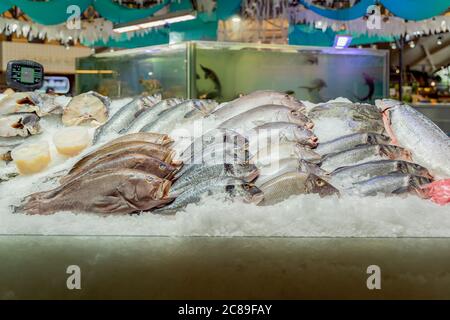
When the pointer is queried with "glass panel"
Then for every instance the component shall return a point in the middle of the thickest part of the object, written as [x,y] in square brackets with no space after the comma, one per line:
[158,69]
[224,71]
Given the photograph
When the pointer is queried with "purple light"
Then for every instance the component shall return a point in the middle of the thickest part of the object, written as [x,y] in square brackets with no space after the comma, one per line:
[342,41]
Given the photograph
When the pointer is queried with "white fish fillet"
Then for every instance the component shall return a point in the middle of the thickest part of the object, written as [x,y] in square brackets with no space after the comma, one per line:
[429,145]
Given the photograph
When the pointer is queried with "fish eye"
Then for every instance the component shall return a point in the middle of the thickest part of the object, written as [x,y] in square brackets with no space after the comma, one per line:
[162,166]
[320,182]
[246,186]
[229,188]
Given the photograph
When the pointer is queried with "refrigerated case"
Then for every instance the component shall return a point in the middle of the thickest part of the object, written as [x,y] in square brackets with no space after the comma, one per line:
[223,71]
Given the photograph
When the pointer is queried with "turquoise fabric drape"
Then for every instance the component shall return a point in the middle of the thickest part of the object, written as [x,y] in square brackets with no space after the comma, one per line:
[119,14]
[416,9]
[150,39]
[355,12]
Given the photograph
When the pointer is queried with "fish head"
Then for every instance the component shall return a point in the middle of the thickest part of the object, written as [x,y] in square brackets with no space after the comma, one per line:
[384,105]
[298,117]
[413,168]
[315,184]
[305,136]
[395,153]
[250,193]
[246,171]
[290,101]
[419,185]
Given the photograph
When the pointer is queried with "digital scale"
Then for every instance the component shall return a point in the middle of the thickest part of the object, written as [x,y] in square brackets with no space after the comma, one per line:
[24,75]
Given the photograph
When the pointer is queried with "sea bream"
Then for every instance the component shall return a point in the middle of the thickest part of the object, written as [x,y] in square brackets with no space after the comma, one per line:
[266,114]
[19,124]
[149,115]
[122,191]
[351,141]
[134,161]
[362,154]
[124,117]
[397,183]
[429,145]
[229,187]
[256,99]
[294,183]
[200,173]
[272,170]
[185,112]
[346,176]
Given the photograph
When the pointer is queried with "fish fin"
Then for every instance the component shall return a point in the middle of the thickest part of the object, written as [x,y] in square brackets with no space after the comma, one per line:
[107,203]
[190,113]
[402,190]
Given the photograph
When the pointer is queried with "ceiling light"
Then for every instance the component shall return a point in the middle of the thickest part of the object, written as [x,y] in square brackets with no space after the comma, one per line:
[412,44]
[155,21]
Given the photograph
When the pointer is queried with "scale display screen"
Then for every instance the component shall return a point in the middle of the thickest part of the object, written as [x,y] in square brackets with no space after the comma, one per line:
[25,75]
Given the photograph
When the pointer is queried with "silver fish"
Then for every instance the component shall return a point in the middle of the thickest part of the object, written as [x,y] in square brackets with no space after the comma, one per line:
[351,141]
[200,173]
[228,186]
[362,154]
[272,170]
[254,100]
[266,114]
[19,124]
[123,118]
[347,176]
[150,114]
[390,184]
[214,136]
[294,183]
[288,149]
[278,132]
[429,145]
[173,118]
[216,151]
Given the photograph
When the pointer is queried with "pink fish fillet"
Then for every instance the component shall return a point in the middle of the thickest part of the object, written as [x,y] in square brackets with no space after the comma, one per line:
[438,191]
[387,126]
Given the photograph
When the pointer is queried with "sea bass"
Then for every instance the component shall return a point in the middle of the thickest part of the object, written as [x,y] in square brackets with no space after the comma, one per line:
[272,170]
[266,114]
[254,100]
[397,183]
[19,124]
[173,118]
[351,141]
[346,176]
[123,118]
[294,183]
[362,154]
[133,161]
[110,192]
[429,145]
[275,152]
[229,186]
[149,115]
[282,131]
[200,173]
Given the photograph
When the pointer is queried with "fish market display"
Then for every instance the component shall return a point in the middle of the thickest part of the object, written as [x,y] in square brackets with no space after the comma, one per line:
[261,149]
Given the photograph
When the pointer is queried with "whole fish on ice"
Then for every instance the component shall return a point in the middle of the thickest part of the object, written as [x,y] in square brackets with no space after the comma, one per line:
[429,145]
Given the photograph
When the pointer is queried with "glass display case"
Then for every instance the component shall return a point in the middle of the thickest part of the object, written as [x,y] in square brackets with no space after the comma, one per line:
[223,71]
